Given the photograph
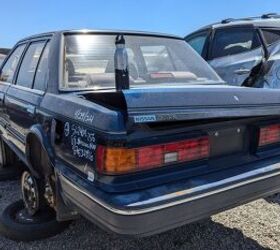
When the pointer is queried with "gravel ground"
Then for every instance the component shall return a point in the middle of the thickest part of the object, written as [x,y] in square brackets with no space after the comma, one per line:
[252,226]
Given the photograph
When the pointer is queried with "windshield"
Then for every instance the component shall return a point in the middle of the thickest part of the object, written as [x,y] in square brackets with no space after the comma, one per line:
[89,62]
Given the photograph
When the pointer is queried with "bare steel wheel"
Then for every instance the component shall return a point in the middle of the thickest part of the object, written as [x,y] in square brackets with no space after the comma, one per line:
[30,219]
[30,189]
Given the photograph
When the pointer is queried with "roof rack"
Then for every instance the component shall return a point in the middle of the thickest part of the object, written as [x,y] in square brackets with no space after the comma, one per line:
[264,16]
[270,15]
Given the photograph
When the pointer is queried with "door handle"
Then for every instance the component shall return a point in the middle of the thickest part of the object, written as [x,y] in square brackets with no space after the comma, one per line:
[242,71]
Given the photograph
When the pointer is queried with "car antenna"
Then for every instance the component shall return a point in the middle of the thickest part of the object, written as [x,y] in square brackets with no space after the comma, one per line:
[121,64]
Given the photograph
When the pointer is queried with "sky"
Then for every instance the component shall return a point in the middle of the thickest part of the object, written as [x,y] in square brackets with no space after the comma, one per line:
[20,18]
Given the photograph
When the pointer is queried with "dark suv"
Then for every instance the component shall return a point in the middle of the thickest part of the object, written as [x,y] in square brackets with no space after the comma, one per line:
[244,52]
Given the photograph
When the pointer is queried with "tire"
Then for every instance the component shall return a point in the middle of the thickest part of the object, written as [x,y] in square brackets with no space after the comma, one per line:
[17,225]
[9,164]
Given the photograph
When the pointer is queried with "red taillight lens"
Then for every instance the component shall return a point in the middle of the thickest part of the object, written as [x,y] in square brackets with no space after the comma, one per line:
[194,149]
[269,135]
[149,156]
[120,160]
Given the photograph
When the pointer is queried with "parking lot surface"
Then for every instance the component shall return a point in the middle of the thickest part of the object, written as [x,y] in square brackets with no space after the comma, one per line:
[252,226]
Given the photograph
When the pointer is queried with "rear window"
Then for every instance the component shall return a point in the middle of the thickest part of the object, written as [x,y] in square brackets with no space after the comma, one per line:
[89,62]
[157,58]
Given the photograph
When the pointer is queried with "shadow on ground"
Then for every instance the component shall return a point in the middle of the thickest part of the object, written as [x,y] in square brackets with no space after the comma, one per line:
[203,235]
[275,198]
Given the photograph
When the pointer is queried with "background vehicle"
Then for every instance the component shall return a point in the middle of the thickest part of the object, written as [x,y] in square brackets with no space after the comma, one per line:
[3,54]
[132,130]
[244,52]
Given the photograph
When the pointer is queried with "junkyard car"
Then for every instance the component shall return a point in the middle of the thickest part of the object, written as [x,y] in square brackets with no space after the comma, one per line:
[132,130]
[244,52]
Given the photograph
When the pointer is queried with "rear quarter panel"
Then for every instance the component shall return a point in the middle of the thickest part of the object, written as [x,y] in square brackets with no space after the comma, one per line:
[78,126]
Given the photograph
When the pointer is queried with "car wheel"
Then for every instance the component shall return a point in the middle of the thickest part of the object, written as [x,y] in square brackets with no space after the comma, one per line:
[32,191]
[9,165]
[17,224]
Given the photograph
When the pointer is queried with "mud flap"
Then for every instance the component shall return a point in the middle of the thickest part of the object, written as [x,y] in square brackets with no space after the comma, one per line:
[63,212]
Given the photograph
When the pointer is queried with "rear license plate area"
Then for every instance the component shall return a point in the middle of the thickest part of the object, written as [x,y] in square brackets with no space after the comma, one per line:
[227,141]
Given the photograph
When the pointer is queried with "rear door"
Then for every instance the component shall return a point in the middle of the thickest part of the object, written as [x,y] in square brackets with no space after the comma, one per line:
[235,52]
[22,98]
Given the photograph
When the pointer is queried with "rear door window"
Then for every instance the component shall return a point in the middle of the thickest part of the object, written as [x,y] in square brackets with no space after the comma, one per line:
[41,76]
[29,64]
[271,36]
[234,41]
[197,42]
[8,71]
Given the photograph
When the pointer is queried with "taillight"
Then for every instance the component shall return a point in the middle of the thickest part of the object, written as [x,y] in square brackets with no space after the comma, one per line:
[269,135]
[121,160]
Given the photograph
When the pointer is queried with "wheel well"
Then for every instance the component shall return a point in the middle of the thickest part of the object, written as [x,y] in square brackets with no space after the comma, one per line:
[38,157]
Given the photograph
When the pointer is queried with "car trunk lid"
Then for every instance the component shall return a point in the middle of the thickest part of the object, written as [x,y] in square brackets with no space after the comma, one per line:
[147,105]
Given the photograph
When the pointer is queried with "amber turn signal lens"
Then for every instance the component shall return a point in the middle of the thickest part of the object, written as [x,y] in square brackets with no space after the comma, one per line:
[116,160]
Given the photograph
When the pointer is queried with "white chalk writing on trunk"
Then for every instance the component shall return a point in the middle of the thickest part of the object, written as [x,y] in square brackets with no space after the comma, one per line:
[84,116]
[81,139]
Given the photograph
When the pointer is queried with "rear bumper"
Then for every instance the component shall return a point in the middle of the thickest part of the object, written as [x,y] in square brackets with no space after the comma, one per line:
[155,210]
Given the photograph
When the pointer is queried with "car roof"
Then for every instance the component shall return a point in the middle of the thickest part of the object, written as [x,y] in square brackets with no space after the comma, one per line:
[266,20]
[109,32]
